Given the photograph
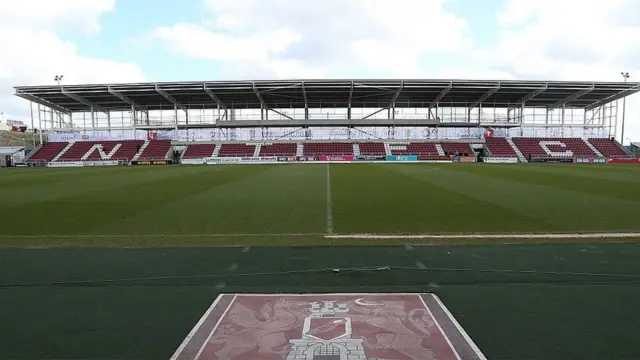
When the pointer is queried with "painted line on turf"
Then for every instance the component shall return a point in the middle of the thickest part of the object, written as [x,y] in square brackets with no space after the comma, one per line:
[420,265]
[329,206]
[233,266]
[81,236]
[488,236]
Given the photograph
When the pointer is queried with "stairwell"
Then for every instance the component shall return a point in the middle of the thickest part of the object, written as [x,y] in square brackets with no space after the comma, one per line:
[137,156]
[518,152]
[216,150]
[300,149]
[356,149]
[55,158]
[256,152]
[440,149]
[593,148]
[387,149]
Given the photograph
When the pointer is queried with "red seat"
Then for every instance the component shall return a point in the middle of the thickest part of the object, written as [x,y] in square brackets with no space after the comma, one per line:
[372,149]
[500,147]
[237,150]
[414,148]
[199,151]
[281,149]
[609,147]
[328,149]
[553,147]
[457,148]
[156,150]
[123,150]
[47,152]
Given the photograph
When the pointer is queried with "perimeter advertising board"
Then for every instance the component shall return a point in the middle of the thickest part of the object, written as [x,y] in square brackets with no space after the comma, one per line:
[335,158]
[402,158]
[624,161]
[328,327]
[66,164]
[589,161]
[500,160]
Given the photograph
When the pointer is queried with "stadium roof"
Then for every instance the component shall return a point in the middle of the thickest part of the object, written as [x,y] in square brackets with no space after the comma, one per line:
[326,93]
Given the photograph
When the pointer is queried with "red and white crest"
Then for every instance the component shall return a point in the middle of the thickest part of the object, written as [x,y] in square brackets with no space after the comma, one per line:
[329,328]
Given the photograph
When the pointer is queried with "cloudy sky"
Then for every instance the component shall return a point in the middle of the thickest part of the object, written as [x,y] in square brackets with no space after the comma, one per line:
[166,40]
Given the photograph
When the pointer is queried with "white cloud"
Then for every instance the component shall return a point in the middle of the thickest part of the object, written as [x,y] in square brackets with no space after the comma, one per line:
[569,40]
[290,38]
[33,51]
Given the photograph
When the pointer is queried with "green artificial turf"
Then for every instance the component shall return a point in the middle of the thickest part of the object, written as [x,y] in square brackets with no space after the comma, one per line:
[516,301]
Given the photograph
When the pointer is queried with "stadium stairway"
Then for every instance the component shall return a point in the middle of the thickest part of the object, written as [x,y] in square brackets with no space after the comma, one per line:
[137,156]
[440,149]
[256,152]
[356,149]
[520,154]
[387,149]
[593,148]
[216,150]
[64,150]
[300,149]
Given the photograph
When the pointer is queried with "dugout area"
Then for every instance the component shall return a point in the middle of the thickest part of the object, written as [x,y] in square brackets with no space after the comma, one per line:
[545,301]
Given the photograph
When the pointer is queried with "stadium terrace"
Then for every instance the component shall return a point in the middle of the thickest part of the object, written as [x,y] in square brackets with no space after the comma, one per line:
[328,120]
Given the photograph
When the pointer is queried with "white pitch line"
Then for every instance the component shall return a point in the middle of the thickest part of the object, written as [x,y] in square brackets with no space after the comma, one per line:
[329,206]
[82,236]
[420,265]
[488,236]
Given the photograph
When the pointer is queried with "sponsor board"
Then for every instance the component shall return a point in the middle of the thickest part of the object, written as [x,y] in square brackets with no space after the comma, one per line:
[624,161]
[500,160]
[328,327]
[305,158]
[551,160]
[370,158]
[464,159]
[401,158]
[152,162]
[433,158]
[30,164]
[192,161]
[66,164]
[240,160]
[286,158]
[335,158]
[101,163]
[589,161]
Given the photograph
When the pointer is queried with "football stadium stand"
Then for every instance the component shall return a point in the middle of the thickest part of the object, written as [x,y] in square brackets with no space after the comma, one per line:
[553,147]
[47,152]
[457,148]
[500,147]
[329,149]
[414,148]
[113,150]
[155,150]
[237,150]
[520,147]
[609,148]
[282,149]
[199,151]
[372,149]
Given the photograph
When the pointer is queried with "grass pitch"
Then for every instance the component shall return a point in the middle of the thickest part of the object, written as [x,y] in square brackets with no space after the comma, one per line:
[70,291]
[199,204]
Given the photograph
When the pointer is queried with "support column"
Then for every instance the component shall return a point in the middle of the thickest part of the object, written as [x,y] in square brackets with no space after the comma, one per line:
[109,121]
[175,115]
[33,132]
[93,119]
[40,123]
[562,120]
